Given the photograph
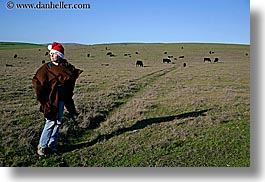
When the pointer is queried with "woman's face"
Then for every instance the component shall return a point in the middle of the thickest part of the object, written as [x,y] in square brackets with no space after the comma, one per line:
[54,56]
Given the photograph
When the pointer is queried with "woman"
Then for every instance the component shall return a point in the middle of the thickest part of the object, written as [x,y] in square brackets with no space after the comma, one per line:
[54,84]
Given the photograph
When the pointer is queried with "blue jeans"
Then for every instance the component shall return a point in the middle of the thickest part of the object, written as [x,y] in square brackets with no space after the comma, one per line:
[49,135]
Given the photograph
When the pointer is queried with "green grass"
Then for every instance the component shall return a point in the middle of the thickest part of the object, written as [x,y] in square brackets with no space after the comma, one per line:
[18,45]
[158,115]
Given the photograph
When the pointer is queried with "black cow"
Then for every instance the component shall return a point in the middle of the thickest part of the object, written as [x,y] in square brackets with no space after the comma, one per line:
[47,53]
[109,53]
[207,59]
[181,56]
[105,64]
[216,60]
[88,55]
[15,56]
[139,63]
[166,60]
[43,61]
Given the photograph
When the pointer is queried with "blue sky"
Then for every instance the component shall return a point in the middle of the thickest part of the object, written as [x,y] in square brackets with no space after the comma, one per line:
[113,21]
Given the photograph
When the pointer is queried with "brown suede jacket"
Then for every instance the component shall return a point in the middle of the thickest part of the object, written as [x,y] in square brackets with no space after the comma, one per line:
[53,84]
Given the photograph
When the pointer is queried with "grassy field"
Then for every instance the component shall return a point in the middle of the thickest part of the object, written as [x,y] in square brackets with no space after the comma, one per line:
[159,115]
[17,45]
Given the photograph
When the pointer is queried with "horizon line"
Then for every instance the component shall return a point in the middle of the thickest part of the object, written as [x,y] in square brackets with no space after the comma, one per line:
[108,43]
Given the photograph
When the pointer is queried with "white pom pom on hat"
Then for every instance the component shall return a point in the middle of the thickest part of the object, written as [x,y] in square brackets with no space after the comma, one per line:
[49,47]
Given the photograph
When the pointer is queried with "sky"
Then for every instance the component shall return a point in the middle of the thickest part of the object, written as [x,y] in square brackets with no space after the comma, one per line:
[117,21]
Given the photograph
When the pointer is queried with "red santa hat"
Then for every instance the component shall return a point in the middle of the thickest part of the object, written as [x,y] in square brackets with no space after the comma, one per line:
[56,48]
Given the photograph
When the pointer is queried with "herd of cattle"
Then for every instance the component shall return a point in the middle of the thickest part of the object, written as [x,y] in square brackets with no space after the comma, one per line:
[140,63]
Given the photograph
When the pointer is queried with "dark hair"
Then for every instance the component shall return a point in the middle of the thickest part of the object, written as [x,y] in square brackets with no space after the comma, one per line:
[60,60]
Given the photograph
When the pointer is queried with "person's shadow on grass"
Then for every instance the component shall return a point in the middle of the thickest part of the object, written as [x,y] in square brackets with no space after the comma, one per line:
[137,126]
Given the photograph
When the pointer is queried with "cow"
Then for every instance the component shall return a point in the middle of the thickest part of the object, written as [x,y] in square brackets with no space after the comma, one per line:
[166,60]
[109,53]
[47,53]
[9,65]
[104,64]
[207,59]
[165,52]
[170,56]
[15,56]
[184,65]
[181,56]
[139,63]
[216,60]
[88,55]
[43,61]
